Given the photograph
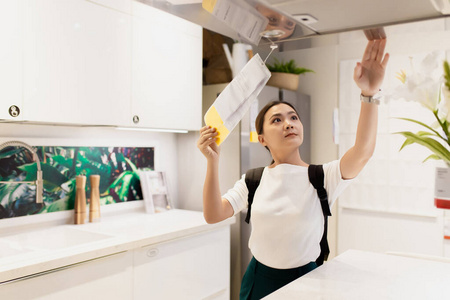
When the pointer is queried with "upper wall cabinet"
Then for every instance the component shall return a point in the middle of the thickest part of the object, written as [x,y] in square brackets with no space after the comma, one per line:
[99,62]
[77,62]
[120,5]
[166,70]
[11,32]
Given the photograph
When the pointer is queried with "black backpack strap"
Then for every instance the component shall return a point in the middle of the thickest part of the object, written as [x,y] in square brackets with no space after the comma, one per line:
[252,179]
[316,177]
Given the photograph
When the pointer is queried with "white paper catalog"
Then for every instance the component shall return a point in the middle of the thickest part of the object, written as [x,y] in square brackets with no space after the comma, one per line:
[236,98]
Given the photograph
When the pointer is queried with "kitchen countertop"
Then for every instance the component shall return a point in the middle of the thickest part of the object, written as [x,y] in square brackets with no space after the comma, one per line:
[51,247]
[365,275]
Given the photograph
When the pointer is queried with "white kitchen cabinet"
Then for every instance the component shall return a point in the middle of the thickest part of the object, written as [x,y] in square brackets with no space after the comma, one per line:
[194,267]
[77,62]
[166,70]
[121,5]
[103,278]
[11,76]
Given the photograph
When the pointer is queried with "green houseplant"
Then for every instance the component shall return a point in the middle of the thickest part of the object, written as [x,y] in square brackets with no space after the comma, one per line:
[285,75]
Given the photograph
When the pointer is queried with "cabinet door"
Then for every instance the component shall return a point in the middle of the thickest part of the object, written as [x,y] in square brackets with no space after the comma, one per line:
[196,267]
[104,278]
[121,5]
[11,76]
[77,62]
[167,70]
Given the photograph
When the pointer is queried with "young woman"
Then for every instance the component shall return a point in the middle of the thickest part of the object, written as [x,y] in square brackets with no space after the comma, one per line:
[287,220]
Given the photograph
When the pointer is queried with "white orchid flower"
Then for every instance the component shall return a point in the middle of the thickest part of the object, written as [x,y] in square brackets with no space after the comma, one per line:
[421,85]
[427,86]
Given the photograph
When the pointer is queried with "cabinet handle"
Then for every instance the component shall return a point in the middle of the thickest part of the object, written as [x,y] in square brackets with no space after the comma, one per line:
[135,119]
[152,252]
[14,111]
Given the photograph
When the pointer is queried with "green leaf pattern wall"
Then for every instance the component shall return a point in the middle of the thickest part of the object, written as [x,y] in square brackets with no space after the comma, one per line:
[117,167]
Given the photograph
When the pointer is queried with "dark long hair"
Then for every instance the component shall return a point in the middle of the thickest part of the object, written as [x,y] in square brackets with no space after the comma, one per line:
[262,113]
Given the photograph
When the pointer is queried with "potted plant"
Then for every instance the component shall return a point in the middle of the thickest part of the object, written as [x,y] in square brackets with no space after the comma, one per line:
[285,75]
[434,95]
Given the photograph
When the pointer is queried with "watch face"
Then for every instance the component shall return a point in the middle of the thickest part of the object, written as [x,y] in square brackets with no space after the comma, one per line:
[369,99]
[365,98]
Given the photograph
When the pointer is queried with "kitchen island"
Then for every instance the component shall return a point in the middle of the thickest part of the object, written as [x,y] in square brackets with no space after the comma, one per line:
[365,275]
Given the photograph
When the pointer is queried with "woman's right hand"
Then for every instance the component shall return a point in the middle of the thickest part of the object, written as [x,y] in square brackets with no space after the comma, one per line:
[207,143]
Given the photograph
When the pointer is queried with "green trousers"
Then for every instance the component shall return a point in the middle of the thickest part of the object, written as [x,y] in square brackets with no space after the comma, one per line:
[260,280]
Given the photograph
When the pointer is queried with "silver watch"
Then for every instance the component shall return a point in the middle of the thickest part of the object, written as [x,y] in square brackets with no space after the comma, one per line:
[370,99]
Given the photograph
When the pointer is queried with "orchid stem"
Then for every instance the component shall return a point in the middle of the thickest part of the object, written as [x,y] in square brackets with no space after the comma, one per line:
[447,133]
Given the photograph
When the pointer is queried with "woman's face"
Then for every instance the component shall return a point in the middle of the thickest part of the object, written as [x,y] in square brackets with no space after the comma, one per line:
[282,128]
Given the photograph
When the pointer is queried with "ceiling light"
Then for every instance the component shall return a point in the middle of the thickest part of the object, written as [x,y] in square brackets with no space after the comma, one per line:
[272,33]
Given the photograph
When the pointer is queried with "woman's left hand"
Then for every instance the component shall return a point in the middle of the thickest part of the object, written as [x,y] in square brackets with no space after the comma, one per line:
[369,73]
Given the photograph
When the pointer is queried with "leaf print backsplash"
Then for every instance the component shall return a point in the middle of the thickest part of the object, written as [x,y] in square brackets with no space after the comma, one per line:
[117,167]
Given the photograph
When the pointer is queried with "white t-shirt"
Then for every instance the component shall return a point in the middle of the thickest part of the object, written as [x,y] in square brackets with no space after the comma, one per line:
[286,217]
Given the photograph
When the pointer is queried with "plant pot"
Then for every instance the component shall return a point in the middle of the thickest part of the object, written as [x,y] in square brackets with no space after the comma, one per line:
[442,188]
[286,81]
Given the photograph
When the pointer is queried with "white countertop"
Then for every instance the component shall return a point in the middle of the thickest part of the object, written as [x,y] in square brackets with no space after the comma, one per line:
[47,248]
[365,275]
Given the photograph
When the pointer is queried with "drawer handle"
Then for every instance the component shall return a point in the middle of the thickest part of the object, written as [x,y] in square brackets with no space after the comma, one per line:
[152,252]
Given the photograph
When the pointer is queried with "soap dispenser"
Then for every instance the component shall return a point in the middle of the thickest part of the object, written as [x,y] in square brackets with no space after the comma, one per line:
[80,200]
[94,206]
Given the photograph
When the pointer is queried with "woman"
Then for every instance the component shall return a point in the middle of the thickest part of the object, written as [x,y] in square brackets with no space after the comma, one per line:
[287,220]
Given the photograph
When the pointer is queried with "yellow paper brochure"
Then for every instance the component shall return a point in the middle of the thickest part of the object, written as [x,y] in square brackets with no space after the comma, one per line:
[209,5]
[235,100]
[254,109]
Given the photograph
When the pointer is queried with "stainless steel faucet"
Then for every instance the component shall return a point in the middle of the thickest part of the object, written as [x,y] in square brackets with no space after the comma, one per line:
[38,182]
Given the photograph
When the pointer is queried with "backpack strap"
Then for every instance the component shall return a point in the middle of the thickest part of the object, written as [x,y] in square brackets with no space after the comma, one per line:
[316,177]
[252,179]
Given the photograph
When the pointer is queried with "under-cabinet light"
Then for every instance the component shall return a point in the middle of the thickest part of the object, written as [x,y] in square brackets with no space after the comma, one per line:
[152,129]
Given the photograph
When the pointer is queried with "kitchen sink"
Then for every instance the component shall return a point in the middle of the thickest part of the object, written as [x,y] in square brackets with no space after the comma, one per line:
[9,248]
[47,239]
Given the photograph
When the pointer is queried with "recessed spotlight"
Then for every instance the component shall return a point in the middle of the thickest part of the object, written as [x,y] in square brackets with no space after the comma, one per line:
[305,19]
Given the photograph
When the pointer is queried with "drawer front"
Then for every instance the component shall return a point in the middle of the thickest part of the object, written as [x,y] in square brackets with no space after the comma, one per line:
[107,277]
[195,267]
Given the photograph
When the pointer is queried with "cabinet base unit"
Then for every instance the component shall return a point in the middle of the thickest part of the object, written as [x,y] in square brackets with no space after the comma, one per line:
[195,267]
[102,278]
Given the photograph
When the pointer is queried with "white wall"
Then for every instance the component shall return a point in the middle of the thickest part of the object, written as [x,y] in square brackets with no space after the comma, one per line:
[165,143]
[323,87]
[192,163]
[192,171]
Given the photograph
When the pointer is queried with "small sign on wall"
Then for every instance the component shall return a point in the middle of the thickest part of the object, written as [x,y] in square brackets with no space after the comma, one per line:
[442,188]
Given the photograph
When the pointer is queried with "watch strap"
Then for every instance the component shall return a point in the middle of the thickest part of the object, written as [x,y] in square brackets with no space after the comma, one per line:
[369,99]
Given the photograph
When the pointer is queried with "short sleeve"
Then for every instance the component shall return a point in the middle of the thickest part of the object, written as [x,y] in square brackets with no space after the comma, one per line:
[238,195]
[333,181]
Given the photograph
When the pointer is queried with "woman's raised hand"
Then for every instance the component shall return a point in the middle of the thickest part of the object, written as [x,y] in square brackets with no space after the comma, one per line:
[207,142]
[369,73]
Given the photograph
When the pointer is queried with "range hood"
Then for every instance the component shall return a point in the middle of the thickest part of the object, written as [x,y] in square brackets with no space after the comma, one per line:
[308,18]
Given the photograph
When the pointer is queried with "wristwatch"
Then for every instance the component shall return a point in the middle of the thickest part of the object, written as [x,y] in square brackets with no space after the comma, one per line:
[370,99]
